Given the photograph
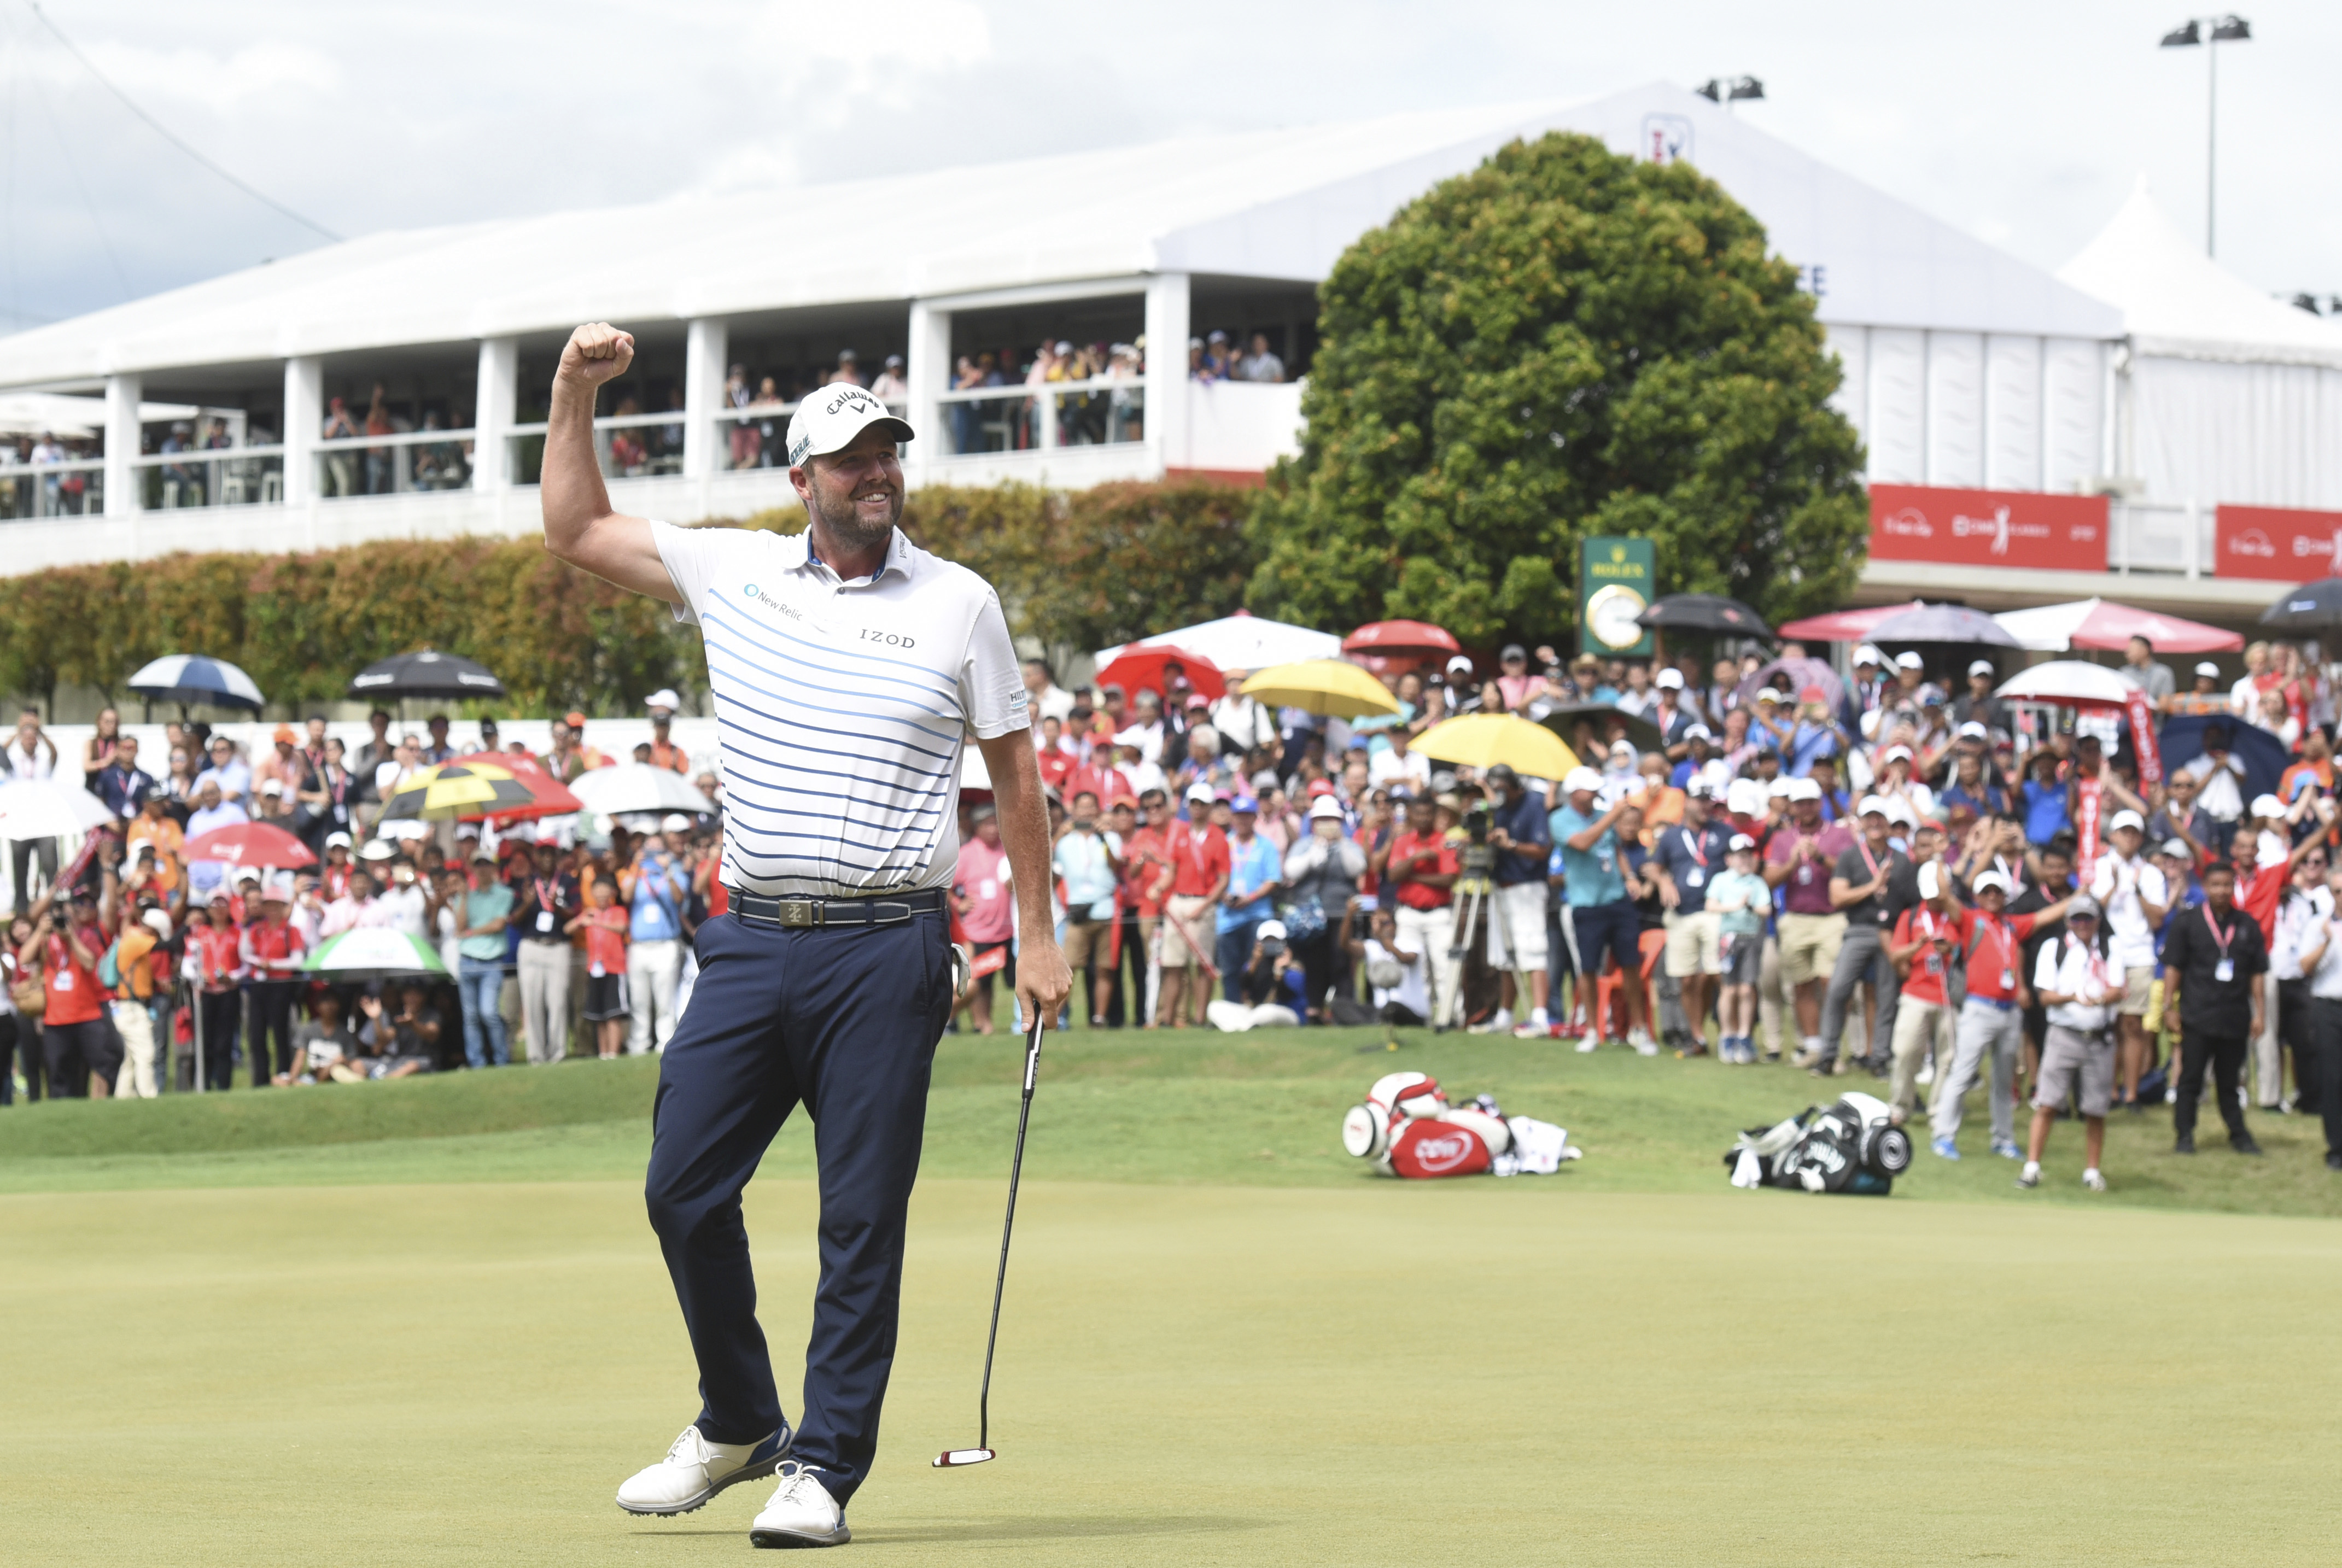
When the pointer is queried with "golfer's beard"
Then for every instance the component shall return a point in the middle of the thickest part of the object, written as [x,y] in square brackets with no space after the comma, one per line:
[844,520]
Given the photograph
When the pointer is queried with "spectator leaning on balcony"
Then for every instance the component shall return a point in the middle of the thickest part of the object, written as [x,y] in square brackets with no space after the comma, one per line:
[341,467]
[121,784]
[888,386]
[1259,364]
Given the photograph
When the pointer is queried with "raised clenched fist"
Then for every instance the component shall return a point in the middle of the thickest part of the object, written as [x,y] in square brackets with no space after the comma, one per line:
[595,352]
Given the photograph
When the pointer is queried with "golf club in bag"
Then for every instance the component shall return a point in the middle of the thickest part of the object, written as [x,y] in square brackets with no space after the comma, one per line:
[951,1457]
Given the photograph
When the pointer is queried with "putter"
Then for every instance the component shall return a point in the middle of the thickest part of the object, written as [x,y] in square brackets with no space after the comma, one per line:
[951,1457]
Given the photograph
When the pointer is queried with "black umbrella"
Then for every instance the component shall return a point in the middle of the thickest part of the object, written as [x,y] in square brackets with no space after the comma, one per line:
[1562,719]
[1704,613]
[2311,607]
[427,673]
[1944,623]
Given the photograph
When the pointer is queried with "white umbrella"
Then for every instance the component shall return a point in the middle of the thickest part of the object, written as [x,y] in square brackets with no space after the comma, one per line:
[44,808]
[2074,682]
[637,787]
[1241,641]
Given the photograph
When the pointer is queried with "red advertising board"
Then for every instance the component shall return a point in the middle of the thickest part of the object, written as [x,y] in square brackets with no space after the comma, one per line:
[1988,527]
[2276,542]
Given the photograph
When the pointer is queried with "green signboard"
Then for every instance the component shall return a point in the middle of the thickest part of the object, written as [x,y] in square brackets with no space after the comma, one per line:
[1615,578]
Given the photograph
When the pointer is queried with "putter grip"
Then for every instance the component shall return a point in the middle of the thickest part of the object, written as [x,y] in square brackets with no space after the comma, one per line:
[1032,1058]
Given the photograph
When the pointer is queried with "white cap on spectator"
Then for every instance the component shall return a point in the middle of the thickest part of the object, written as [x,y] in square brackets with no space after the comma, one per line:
[337,837]
[1698,788]
[828,420]
[1930,881]
[245,873]
[1868,723]
[1200,792]
[2208,668]
[1459,664]
[2267,806]
[1972,731]
[1768,694]
[1669,679]
[1783,789]
[1986,879]
[1698,732]
[675,821]
[271,786]
[156,921]
[1744,798]
[2177,848]
[1891,753]
[1582,778]
[1805,789]
[1866,655]
[1907,660]
[1898,810]
[1872,804]
[1741,841]
[2123,819]
[664,697]
[1979,666]
[1325,806]
[378,849]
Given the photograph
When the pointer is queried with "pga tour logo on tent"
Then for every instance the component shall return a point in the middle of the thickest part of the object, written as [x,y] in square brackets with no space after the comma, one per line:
[1988,527]
[2276,544]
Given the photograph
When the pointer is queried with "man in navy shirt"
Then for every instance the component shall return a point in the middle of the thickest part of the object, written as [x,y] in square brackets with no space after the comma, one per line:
[1519,833]
[1688,855]
[121,784]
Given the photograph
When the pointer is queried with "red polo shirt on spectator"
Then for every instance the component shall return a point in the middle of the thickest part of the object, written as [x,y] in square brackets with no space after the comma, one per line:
[1993,950]
[220,951]
[1926,981]
[1056,767]
[1443,863]
[1143,860]
[1198,861]
[73,995]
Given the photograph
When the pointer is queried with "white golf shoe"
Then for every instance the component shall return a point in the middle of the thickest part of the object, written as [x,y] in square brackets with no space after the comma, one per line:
[695,1470]
[801,1513]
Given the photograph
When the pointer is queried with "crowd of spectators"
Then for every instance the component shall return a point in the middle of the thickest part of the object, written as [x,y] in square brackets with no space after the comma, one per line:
[134,966]
[760,406]
[1914,880]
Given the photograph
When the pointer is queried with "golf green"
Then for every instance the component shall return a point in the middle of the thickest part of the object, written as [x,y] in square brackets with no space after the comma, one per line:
[277,1328]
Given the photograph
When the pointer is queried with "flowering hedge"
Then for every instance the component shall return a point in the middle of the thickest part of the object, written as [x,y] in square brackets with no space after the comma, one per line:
[1076,571]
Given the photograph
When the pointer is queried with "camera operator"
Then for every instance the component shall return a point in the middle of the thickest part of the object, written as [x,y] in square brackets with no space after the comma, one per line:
[1266,988]
[1520,838]
[1394,970]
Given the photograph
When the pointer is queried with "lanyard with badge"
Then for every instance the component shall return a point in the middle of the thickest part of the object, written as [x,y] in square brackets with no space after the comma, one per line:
[1863,845]
[2225,970]
[1927,931]
[1695,845]
[546,901]
[2007,946]
[1805,865]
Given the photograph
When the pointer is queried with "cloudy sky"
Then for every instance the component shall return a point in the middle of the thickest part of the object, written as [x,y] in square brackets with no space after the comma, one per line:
[2024,123]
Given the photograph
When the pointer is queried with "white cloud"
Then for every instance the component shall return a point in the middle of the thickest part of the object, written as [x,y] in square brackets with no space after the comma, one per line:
[224,84]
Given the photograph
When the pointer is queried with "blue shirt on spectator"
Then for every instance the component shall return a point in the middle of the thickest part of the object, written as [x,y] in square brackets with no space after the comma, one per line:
[2045,811]
[656,907]
[1694,857]
[1810,741]
[1252,867]
[1522,816]
[235,780]
[124,790]
[1592,875]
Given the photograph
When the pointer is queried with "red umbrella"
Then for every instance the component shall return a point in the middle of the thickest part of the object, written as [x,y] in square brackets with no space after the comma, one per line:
[251,843]
[1844,626]
[1139,668]
[552,797]
[1400,637]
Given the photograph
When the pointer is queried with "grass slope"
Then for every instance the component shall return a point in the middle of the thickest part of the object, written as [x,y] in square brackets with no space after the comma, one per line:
[1204,1108]
[451,1374]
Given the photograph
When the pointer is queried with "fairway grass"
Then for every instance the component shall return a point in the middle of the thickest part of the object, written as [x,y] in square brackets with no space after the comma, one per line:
[460,1374]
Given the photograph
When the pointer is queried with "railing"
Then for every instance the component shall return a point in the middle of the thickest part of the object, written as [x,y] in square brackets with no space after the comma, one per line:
[1102,411]
[75,488]
[394,462]
[628,446]
[2147,538]
[209,476]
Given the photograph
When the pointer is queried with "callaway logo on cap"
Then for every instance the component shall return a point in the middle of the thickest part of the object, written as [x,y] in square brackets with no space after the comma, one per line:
[829,419]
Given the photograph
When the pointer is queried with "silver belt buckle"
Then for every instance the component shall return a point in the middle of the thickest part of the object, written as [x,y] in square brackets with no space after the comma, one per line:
[796,913]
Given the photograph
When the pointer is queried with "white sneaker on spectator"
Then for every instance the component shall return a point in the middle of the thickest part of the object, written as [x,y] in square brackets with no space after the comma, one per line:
[1538,1020]
[2093,1180]
[1640,1039]
[1589,1042]
[695,1470]
[802,1512]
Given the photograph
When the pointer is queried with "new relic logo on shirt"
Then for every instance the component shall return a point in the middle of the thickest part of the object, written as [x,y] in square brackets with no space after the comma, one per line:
[758,595]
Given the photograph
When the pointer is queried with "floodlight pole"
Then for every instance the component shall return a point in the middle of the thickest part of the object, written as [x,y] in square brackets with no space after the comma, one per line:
[2211,32]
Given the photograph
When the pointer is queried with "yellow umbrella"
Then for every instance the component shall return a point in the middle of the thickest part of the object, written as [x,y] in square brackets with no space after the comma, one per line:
[1484,740]
[457,790]
[1327,687]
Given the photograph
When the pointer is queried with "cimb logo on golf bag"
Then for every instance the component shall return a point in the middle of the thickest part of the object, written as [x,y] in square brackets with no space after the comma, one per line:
[1446,1152]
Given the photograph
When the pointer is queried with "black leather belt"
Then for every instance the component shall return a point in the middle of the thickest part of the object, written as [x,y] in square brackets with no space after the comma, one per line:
[801,914]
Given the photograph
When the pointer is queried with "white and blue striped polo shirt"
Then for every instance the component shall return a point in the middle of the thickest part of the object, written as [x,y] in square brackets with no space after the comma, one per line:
[843,706]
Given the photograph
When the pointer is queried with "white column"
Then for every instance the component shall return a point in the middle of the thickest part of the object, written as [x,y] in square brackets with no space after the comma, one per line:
[305,418]
[707,340]
[122,443]
[492,412]
[1167,369]
[927,367]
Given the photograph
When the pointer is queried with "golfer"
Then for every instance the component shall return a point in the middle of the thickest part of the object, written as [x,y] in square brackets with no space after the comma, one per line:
[848,666]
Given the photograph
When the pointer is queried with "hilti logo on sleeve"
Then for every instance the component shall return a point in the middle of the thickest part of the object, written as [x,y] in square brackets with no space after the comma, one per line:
[2276,544]
[1988,527]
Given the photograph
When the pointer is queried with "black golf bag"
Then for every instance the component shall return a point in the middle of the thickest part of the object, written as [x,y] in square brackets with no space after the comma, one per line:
[1851,1146]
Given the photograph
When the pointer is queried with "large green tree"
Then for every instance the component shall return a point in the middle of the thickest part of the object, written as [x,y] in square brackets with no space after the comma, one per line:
[1562,343]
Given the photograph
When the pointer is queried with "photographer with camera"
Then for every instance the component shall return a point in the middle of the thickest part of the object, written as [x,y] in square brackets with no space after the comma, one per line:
[1599,915]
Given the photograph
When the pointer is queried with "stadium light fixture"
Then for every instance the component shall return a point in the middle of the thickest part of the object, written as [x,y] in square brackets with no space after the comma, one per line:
[2210,33]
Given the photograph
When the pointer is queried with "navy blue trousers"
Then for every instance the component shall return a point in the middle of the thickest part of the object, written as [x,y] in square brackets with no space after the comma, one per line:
[844,1022]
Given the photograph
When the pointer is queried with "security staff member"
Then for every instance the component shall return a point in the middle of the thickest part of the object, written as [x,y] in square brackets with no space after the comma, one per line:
[848,667]
[2213,960]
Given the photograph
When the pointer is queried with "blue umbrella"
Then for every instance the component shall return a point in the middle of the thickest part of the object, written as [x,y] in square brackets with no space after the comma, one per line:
[196,678]
[2263,755]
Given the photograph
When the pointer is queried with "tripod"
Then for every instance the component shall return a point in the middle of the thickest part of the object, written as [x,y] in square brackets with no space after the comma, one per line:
[1475,896]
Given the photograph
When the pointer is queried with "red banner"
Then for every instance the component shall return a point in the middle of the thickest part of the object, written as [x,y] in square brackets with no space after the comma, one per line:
[2085,830]
[2276,542]
[2142,740]
[1988,527]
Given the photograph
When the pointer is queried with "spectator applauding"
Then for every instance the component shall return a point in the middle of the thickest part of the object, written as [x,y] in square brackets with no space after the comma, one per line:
[655,885]
[121,784]
[480,930]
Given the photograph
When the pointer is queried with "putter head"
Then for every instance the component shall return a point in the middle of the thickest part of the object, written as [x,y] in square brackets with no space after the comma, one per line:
[951,1458]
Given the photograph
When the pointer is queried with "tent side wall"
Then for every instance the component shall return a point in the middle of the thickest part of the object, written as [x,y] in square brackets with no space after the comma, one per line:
[2261,434]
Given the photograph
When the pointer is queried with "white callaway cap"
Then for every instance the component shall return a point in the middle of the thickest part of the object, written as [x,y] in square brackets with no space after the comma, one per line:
[2123,819]
[1582,779]
[830,418]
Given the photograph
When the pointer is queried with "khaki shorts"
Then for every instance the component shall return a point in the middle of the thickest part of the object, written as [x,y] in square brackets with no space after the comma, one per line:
[1181,915]
[1694,943]
[2082,1065]
[2136,982]
[1809,945]
[1087,942]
